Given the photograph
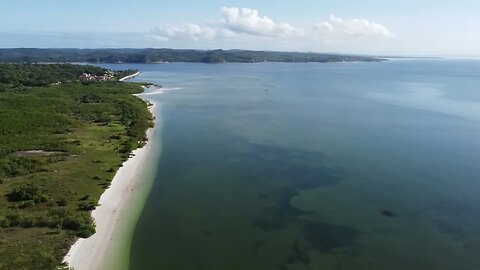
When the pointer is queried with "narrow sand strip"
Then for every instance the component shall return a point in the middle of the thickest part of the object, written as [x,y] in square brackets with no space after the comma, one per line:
[88,254]
[129,77]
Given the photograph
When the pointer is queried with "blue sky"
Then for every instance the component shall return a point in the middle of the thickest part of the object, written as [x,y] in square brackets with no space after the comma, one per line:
[407,27]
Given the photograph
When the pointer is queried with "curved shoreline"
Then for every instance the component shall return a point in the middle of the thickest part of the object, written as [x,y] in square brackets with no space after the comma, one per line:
[119,207]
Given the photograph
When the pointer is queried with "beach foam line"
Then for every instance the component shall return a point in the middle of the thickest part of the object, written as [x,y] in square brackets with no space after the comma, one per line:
[127,186]
[171,88]
[154,90]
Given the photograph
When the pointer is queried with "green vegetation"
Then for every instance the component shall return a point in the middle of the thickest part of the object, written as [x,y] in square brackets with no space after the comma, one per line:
[14,76]
[169,55]
[60,145]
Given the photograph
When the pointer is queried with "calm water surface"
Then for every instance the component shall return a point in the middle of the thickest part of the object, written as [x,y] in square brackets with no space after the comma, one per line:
[315,166]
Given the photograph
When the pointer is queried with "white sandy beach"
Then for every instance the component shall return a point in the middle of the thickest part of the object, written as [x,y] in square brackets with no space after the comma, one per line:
[129,77]
[89,254]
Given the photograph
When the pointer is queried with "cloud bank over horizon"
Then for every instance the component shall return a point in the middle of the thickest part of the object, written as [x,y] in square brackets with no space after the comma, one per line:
[188,31]
[234,22]
[352,28]
[247,26]
[247,21]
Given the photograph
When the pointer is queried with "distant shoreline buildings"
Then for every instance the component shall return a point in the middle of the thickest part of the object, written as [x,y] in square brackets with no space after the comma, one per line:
[87,77]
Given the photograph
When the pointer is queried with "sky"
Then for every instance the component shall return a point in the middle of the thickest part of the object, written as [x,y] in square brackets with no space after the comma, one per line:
[373,27]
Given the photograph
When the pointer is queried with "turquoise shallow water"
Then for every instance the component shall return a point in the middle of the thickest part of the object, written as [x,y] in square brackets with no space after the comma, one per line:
[314,166]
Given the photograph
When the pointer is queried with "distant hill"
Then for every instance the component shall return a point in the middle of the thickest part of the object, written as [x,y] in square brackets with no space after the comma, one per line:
[27,55]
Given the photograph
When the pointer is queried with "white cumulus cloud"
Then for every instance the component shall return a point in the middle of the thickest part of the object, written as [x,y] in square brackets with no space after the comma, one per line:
[188,31]
[247,28]
[357,28]
[247,21]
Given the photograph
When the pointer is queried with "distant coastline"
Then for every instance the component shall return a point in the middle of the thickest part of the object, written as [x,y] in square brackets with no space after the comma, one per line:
[143,56]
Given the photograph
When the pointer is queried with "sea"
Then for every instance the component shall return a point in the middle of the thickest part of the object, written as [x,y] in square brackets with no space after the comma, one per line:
[296,166]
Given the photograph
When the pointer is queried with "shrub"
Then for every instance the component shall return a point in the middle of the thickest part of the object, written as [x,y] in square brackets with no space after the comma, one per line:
[27,192]
[87,205]
[13,166]
[46,221]
[79,222]
[115,137]
[28,221]
[62,202]
[4,222]
[82,223]
[25,204]
[15,219]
